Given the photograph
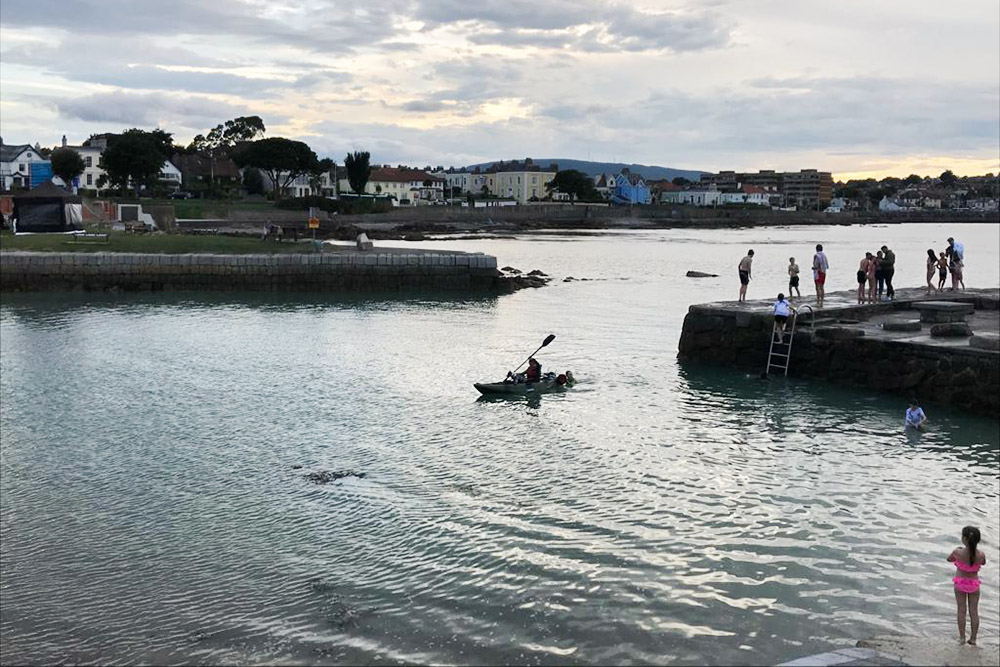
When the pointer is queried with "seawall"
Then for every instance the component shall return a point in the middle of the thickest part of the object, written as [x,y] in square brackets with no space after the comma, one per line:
[882,346]
[348,270]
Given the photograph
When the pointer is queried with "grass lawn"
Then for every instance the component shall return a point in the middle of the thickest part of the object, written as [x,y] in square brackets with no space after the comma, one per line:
[206,209]
[171,244]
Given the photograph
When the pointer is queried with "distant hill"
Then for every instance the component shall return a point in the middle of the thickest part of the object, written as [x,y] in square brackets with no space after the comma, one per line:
[649,172]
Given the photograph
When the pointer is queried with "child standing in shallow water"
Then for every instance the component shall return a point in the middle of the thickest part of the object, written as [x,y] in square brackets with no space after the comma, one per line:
[968,559]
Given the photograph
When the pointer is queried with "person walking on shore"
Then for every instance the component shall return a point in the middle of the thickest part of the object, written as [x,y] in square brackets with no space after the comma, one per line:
[820,266]
[968,560]
[744,270]
[793,278]
[931,269]
[888,269]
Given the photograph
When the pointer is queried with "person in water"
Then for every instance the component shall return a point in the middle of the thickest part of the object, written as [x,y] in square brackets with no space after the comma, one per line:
[967,559]
[534,372]
[915,416]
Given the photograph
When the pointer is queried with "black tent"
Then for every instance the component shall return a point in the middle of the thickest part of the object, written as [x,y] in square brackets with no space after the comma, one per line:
[43,209]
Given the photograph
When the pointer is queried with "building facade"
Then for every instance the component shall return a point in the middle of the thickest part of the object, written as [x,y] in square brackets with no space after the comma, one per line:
[805,189]
[15,165]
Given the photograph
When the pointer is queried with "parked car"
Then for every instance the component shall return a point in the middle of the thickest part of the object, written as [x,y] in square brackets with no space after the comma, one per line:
[180,194]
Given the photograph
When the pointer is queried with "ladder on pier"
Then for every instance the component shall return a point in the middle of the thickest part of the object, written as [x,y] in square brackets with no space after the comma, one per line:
[779,355]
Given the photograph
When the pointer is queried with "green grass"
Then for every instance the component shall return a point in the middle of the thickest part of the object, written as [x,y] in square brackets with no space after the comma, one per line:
[171,244]
[205,209]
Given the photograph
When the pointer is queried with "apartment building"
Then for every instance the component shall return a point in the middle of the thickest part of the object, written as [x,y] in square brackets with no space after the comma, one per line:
[806,189]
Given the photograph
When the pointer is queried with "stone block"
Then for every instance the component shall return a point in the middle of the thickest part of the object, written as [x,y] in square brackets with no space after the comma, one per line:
[950,330]
[985,341]
[364,243]
[909,325]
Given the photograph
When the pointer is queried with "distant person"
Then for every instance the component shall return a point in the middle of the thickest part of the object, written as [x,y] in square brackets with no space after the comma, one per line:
[942,266]
[967,559]
[793,278]
[870,272]
[863,276]
[879,274]
[888,270]
[915,416]
[820,266]
[931,269]
[744,269]
[781,311]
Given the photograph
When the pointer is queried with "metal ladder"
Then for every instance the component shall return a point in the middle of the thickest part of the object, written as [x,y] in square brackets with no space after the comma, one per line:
[784,352]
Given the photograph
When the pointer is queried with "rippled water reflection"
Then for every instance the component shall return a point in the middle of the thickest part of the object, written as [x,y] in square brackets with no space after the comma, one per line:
[152,510]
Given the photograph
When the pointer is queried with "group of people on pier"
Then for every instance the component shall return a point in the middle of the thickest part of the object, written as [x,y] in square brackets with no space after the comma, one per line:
[950,260]
[874,276]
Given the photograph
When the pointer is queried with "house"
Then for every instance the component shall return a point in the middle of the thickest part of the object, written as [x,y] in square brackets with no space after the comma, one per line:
[630,189]
[752,195]
[886,205]
[521,186]
[201,172]
[405,185]
[15,165]
[700,197]
[605,185]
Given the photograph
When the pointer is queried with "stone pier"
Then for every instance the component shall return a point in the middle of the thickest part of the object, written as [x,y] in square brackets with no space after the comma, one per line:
[342,270]
[940,348]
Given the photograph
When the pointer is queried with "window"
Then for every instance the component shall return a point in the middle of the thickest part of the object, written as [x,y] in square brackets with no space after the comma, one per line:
[89,161]
[20,166]
[90,178]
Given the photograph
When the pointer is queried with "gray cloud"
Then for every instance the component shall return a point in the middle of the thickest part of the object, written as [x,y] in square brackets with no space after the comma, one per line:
[148,109]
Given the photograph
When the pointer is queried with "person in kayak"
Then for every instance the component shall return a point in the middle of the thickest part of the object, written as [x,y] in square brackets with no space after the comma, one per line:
[534,372]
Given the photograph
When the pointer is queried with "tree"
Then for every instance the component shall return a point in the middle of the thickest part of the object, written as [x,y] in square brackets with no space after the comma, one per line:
[282,160]
[253,181]
[229,134]
[680,181]
[67,164]
[575,183]
[358,170]
[948,179]
[324,166]
[136,156]
[912,179]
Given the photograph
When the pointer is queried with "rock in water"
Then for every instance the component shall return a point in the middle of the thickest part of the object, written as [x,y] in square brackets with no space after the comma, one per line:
[326,476]
[701,274]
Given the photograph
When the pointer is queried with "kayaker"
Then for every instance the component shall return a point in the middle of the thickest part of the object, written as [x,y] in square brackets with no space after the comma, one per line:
[534,372]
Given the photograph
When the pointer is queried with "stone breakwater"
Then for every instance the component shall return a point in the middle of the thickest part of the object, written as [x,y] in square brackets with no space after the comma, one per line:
[378,270]
[887,346]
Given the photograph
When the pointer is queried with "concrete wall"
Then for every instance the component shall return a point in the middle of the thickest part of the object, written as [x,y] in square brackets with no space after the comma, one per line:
[29,271]
[966,377]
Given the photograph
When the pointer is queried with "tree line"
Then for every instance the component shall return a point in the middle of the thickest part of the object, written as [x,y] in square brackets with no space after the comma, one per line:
[134,158]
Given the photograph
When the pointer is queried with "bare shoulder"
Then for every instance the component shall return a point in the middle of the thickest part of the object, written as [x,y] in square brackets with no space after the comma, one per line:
[981,557]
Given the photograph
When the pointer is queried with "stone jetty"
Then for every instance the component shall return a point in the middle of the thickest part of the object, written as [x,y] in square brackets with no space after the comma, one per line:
[941,348]
[389,269]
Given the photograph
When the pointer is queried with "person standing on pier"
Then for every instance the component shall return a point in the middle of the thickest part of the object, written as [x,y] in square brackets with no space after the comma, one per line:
[879,275]
[942,265]
[820,266]
[888,269]
[744,270]
[793,278]
[956,262]
[863,276]
[931,269]
[870,272]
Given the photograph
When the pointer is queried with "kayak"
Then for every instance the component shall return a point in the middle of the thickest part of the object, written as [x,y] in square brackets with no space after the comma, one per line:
[518,389]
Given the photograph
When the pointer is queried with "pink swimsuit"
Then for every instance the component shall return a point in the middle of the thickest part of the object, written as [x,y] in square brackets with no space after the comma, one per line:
[967,584]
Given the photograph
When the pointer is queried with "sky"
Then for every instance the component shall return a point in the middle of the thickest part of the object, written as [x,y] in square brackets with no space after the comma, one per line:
[855,87]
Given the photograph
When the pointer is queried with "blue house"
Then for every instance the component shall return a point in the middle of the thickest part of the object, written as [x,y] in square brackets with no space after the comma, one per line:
[630,189]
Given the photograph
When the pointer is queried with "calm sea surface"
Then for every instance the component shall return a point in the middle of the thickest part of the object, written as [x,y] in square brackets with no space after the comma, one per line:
[152,507]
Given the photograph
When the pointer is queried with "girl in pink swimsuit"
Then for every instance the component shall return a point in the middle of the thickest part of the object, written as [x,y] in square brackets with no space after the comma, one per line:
[968,560]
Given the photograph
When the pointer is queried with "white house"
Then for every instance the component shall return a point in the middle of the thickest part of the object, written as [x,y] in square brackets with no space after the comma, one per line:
[403,184]
[748,194]
[692,197]
[887,205]
[15,164]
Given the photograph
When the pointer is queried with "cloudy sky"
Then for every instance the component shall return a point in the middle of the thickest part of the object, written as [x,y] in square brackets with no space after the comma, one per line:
[855,87]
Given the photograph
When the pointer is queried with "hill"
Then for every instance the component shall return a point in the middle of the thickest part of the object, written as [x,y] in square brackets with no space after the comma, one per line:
[649,172]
